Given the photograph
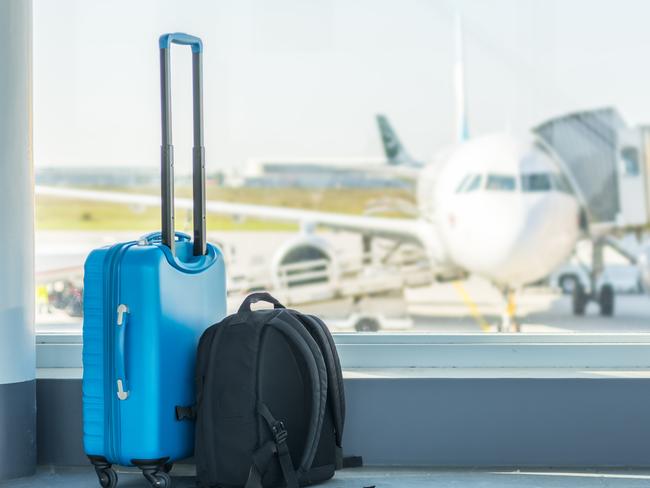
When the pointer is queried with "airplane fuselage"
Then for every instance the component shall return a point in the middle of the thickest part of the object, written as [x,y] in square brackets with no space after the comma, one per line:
[501,209]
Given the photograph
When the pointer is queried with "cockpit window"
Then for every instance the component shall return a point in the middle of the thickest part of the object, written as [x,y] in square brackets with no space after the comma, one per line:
[534,182]
[470,182]
[474,184]
[463,183]
[544,182]
[561,184]
[500,183]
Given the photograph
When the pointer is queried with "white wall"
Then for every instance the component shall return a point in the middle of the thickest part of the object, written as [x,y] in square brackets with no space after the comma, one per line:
[17,358]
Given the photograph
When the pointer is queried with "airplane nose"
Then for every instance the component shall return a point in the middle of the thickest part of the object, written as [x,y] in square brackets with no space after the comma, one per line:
[539,241]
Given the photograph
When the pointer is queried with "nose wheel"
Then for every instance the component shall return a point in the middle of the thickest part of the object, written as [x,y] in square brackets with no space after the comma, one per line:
[509,322]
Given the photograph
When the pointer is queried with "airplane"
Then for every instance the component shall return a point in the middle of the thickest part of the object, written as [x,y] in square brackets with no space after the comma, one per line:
[396,153]
[492,206]
[495,207]
[644,264]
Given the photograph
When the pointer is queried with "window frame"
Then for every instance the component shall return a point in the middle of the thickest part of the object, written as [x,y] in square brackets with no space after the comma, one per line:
[414,350]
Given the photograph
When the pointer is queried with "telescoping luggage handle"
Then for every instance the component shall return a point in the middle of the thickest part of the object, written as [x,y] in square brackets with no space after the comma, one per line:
[167,148]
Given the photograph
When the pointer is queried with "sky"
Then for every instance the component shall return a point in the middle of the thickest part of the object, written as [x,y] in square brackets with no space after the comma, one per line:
[305,78]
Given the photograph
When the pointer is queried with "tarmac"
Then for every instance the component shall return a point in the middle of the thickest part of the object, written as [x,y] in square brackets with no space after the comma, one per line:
[439,309]
[473,306]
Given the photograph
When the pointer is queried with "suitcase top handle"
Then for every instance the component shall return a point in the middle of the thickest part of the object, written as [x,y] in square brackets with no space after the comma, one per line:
[181,38]
[167,148]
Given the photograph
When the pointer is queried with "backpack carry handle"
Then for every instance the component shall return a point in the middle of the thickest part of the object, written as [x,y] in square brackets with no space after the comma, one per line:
[167,148]
[262,296]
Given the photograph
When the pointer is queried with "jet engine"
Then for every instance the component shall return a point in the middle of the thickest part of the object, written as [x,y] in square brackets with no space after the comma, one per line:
[305,260]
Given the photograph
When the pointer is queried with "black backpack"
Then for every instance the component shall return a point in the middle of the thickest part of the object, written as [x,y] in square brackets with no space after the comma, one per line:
[270,402]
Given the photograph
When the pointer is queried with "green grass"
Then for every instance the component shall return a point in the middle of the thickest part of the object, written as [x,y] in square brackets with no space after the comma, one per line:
[62,214]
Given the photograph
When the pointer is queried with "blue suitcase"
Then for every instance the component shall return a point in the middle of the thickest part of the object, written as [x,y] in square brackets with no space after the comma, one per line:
[146,304]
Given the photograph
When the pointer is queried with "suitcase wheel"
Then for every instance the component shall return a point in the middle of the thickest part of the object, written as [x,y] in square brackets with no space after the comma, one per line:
[156,472]
[105,473]
[107,478]
[158,479]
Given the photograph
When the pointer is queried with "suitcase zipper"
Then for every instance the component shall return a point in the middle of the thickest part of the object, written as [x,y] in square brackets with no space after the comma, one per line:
[111,297]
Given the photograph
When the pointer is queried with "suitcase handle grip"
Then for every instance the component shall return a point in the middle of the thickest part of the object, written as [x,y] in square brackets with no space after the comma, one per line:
[120,356]
[166,40]
[167,148]
[262,296]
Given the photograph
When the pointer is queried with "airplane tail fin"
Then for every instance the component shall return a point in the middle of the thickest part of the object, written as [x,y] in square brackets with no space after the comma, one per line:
[395,152]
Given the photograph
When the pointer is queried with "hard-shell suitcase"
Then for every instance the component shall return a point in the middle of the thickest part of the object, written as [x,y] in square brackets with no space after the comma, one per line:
[146,304]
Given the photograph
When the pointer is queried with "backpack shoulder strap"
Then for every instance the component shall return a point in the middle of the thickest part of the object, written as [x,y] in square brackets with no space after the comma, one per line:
[298,335]
[203,353]
[335,392]
[262,457]
[337,366]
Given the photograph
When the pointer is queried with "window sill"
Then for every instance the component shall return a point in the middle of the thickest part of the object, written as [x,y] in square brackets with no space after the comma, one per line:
[503,352]
[431,373]
[493,373]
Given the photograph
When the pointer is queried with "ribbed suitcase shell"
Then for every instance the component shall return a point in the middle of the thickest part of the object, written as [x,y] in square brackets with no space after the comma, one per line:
[171,300]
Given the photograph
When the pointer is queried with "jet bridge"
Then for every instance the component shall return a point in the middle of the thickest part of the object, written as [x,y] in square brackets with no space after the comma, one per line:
[608,164]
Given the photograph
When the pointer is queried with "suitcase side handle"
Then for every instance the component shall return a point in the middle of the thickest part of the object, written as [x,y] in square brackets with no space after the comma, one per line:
[167,148]
[120,356]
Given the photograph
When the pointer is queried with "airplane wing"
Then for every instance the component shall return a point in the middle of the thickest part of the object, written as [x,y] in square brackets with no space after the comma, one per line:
[403,229]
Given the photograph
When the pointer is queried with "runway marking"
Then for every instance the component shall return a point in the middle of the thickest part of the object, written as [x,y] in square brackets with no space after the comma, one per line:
[471,306]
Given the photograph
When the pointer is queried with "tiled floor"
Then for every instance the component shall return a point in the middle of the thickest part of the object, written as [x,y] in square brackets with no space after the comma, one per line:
[51,477]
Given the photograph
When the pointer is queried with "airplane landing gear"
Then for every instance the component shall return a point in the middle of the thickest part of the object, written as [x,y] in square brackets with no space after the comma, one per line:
[509,321]
[605,298]
[579,299]
[604,295]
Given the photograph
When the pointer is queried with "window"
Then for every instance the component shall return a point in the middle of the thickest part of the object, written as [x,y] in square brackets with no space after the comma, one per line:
[630,157]
[536,182]
[561,184]
[500,183]
[474,184]
[470,183]
[463,183]
[335,223]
